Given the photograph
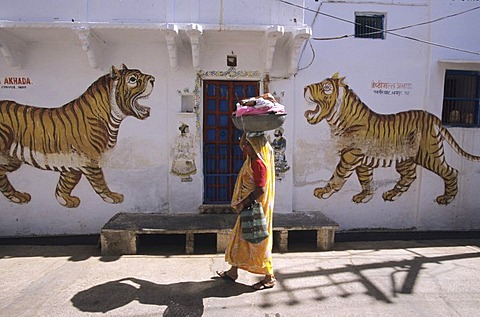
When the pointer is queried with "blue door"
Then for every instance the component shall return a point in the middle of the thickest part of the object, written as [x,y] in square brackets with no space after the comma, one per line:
[222,157]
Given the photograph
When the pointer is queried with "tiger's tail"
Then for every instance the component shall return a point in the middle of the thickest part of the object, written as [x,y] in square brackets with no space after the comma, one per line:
[447,136]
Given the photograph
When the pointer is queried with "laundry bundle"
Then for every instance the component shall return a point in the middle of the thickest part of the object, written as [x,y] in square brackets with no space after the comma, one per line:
[261,113]
[264,104]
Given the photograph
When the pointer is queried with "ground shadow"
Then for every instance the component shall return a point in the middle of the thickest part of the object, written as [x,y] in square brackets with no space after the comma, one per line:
[304,242]
[181,299]
[340,277]
[388,244]
[75,253]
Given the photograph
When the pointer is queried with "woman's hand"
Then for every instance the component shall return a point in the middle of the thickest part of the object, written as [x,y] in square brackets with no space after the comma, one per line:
[239,207]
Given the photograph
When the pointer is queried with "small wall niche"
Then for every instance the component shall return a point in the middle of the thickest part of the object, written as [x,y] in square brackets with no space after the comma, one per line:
[187,103]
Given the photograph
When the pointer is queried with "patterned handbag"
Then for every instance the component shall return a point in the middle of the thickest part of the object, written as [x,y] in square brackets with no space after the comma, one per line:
[254,223]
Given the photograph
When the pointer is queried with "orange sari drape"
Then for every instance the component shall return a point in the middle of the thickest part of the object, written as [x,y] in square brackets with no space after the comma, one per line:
[254,258]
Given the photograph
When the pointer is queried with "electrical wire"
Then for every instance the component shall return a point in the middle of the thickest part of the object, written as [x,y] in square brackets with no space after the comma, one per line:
[312,60]
[391,30]
[435,20]
[310,44]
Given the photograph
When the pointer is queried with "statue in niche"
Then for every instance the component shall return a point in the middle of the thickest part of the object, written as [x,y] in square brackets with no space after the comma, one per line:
[279,145]
[183,164]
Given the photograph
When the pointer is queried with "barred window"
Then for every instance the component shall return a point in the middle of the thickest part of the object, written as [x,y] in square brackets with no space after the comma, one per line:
[461,98]
[371,26]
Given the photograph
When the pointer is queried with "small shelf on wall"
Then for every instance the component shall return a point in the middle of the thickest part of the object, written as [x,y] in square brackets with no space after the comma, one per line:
[186,114]
[187,103]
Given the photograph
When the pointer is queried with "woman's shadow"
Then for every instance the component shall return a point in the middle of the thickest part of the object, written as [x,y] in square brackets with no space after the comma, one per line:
[181,299]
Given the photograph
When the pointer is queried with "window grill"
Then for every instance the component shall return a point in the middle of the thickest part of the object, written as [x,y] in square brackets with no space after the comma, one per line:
[461,98]
[371,26]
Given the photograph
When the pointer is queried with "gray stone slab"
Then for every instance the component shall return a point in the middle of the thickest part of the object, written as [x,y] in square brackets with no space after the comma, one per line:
[173,222]
[303,220]
[119,235]
[142,222]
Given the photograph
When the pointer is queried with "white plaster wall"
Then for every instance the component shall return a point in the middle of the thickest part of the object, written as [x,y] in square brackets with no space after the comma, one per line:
[136,167]
[392,60]
[284,92]
[139,166]
[217,12]
[462,213]
[183,196]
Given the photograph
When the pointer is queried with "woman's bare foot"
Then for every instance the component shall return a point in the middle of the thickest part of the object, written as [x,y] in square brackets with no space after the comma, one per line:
[268,281]
[231,274]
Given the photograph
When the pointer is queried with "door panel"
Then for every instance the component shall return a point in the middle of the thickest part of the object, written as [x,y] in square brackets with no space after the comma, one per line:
[222,157]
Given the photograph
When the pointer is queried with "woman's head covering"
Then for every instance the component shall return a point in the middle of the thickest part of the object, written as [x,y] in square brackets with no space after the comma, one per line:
[258,142]
[262,148]
[264,151]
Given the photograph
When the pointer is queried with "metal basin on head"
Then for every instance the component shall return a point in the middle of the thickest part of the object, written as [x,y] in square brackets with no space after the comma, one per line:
[262,122]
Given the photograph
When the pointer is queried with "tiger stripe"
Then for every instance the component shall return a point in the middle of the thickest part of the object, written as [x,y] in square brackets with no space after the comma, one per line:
[407,138]
[71,139]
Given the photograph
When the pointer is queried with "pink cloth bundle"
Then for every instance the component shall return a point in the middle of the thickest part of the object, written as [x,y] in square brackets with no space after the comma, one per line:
[263,104]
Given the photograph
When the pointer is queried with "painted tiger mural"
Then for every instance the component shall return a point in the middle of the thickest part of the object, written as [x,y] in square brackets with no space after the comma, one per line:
[71,139]
[368,140]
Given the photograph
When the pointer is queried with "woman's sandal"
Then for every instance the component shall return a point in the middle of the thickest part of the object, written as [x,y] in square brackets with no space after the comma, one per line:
[264,285]
[226,276]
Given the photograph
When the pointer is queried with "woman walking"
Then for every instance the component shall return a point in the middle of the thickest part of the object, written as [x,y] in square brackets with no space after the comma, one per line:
[255,183]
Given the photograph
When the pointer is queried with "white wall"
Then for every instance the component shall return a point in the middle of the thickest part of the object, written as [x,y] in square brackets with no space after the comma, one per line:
[462,213]
[395,59]
[52,58]
[134,166]
[218,12]
[139,166]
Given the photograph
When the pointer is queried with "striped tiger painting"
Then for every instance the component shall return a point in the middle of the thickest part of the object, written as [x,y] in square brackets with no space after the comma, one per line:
[368,140]
[71,139]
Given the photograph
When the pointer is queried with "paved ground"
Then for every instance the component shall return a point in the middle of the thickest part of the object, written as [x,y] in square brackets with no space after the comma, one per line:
[424,278]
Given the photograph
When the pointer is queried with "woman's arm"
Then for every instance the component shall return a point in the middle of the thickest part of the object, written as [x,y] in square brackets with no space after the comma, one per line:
[259,171]
[247,201]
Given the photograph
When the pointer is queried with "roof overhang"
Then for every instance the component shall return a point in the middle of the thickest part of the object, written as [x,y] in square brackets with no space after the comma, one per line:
[94,37]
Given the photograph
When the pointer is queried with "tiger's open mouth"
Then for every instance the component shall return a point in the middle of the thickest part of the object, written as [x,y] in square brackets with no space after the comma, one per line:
[142,112]
[311,115]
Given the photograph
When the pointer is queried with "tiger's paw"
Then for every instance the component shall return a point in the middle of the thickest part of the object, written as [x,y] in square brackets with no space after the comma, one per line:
[112,198]
[323,192]
[363,197]
[444,199]
[68,201]
[391,195]
[20,198]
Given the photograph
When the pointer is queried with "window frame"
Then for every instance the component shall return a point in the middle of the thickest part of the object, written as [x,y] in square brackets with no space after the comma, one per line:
[449,106]
[368,35]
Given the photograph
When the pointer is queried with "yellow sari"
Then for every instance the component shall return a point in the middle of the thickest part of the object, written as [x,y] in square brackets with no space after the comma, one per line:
[254,258]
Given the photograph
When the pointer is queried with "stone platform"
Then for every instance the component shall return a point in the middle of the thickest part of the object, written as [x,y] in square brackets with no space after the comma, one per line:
[120,233]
